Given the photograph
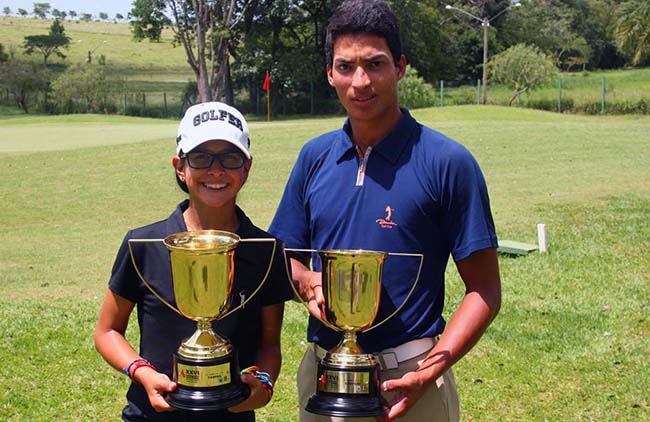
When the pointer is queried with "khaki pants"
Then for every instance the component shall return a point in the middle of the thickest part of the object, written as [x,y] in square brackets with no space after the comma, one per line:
[438,404]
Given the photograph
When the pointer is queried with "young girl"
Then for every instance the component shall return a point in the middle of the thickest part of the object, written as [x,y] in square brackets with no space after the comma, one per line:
[212,163]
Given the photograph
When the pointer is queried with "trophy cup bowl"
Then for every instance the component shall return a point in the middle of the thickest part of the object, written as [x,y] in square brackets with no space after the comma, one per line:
[348,379]
[205,366]
[206,369]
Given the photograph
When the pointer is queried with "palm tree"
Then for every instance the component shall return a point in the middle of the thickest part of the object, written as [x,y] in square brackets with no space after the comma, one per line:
[631,28]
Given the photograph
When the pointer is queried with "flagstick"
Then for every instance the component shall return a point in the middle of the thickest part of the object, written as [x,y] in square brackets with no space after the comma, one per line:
[268,105]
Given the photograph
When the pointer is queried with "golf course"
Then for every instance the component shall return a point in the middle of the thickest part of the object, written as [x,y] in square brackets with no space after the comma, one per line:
[571,341]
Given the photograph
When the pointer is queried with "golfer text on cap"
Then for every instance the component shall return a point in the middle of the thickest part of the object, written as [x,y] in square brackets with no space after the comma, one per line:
[217,115]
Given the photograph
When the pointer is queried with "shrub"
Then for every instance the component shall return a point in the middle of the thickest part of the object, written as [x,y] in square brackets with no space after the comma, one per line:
[414,92]
[86,89]
[551,105]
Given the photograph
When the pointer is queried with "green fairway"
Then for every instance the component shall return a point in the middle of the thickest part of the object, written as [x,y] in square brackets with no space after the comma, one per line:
[570,343]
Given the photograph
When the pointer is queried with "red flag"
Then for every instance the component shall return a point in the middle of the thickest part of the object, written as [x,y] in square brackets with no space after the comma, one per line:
[267,82]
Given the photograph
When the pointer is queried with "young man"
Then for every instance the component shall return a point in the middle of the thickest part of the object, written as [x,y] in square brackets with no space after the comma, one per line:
[385,182]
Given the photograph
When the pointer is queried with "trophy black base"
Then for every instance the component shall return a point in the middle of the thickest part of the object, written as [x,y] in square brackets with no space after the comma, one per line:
[344,406]
[360,399]
[212,398]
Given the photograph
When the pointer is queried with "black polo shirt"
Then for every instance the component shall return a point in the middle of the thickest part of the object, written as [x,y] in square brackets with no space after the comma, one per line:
[162,330]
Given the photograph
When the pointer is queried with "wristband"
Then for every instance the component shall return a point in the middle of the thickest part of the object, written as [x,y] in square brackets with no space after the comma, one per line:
[135,365]
[127,369]
[263,377]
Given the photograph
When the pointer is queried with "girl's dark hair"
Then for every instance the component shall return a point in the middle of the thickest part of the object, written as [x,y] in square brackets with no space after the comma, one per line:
[363,16]
[181,184]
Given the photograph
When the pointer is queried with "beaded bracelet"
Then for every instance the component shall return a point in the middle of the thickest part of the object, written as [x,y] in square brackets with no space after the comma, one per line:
[263,377]
[135,365]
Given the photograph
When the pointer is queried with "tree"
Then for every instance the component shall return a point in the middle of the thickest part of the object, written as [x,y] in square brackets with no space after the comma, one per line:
[424,43]
[6,10]
[549,25]
[592,20]
[149,19]
[103,16]
[86,89]
[119,17]
[41,10]
[22,12]
[48,44]
[523,68]
[23,79]
[72,14]
[631,29]
[86,17]
[205,29]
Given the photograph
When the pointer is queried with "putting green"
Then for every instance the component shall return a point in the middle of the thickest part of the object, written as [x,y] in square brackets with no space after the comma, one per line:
[53,133]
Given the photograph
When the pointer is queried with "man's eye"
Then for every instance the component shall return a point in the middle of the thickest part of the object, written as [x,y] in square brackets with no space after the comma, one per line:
[343,67]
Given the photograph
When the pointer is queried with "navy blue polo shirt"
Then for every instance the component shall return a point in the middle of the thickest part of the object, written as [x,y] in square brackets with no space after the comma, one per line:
[162,330]
[417,191]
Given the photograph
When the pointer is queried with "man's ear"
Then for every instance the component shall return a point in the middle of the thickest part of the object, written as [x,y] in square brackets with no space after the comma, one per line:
[330,78]
[177,162]
[401,67]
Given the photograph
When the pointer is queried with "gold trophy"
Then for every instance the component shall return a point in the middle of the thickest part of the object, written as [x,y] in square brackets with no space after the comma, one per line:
[347,383]
[206,369]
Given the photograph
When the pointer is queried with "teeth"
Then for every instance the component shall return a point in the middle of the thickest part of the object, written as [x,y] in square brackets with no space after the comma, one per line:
[215,186]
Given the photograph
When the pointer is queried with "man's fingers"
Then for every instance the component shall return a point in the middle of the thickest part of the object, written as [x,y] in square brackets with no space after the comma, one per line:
[318,294]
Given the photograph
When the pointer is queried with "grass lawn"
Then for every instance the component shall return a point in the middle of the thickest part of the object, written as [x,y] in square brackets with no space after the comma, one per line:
[572,338]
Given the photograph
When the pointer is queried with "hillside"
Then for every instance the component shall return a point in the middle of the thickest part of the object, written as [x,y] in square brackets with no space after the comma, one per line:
[139,60]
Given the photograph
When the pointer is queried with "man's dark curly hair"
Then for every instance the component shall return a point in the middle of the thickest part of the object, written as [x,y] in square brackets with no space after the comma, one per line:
[363,16]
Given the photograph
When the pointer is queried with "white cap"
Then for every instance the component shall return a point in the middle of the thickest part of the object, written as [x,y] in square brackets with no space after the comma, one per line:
[212,121]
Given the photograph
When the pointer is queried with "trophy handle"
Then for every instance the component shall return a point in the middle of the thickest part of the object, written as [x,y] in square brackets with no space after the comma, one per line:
[408,296]
[293,287]
[137,270]
[268,271]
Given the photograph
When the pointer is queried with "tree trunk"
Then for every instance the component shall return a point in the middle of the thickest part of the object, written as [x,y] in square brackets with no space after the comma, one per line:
[514,97]
[227,85]
[21,100]
[205,94]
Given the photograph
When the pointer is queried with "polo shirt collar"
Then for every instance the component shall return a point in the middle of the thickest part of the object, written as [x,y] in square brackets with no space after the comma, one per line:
[390,147]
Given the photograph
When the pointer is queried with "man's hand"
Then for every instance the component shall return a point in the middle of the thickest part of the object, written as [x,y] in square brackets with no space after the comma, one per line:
[407,390]
[257,399]
[156,385]
[310,287]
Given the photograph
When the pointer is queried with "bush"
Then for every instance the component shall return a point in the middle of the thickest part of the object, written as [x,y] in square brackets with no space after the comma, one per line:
[551,105]
[86,89]
[414,92]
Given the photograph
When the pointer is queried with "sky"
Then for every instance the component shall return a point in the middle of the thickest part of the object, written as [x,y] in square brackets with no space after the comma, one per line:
[80,6]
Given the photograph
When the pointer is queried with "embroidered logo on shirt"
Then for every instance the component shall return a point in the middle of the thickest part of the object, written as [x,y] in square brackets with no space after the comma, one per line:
[387,222]
[242,298]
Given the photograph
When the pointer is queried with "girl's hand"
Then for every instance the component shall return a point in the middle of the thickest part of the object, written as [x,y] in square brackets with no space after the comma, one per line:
[156,385]
[258,398]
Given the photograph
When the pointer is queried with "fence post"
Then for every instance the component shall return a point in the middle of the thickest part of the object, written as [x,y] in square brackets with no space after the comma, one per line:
[442,93]
[165,102]
[559,95]
[478,91]
[602,97]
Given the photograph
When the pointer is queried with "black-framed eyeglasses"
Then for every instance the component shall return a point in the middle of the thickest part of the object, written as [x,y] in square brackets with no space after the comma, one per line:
[229,160]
